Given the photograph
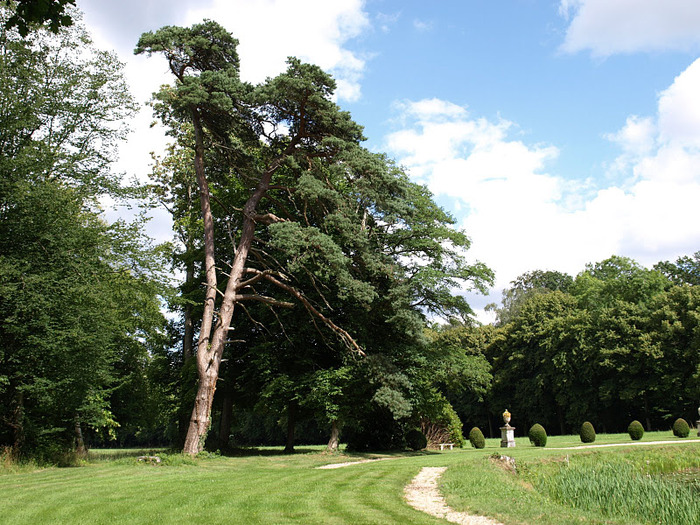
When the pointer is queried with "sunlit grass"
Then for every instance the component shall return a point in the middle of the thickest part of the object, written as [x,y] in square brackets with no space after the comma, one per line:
[265,486]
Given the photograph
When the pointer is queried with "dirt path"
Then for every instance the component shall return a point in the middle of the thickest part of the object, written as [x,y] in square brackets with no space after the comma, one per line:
[423,494]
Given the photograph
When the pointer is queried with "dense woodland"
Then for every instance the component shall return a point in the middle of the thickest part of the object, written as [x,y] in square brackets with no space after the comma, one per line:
[311,292]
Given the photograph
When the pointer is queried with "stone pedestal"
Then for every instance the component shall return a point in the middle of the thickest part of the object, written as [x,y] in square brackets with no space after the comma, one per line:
[507,436]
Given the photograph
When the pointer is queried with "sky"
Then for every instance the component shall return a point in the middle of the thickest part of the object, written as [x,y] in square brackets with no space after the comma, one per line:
[557,133]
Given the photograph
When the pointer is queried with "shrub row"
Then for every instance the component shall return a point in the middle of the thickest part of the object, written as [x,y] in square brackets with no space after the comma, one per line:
[538,435]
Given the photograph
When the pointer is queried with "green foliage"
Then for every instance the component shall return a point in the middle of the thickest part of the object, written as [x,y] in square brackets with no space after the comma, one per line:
[587,432]
[476,438]
[681,428]
[416,440]
[685,270]
[79,298]
[29,13]
[537,435]
[524,287]
[635,430]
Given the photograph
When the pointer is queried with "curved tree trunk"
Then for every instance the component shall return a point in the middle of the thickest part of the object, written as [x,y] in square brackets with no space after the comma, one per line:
[334,441]
[212,339]
[207,362]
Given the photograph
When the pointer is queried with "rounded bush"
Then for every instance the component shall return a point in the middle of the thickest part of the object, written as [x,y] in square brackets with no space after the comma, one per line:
[476,438]
[587,432]
[537,435]
[681,428]
[635,430]
[416,440]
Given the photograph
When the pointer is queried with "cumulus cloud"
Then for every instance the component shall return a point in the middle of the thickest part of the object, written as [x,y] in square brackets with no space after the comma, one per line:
[606,27]
[523,217]
[316,31]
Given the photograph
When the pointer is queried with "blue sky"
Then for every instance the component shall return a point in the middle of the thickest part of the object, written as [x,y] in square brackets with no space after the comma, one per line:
[556,132]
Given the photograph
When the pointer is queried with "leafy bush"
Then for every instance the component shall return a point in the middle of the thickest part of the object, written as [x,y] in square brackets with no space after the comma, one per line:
[635,430]
[439,421]
[537,435]
[476,438]
[416,440]
[681,428]
[587,432]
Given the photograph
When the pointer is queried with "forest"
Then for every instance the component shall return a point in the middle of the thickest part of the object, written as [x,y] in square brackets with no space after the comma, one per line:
[311,292]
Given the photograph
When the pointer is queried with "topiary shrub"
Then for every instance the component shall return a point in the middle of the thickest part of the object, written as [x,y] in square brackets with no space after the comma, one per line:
[537,435]
[635,430]
[476,438]
[416,440]
[681,428]
[587,432]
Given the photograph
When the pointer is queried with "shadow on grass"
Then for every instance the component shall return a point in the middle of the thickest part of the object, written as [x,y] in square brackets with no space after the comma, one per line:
[279,451]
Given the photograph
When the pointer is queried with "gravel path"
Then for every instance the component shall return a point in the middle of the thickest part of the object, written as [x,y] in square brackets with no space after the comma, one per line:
[423,494]
[635,443]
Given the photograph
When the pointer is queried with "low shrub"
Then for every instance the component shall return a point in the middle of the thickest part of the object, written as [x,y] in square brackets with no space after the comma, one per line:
[635,430]
[476,438]
[537,435]
[681,428]
[416,440]
[587,432]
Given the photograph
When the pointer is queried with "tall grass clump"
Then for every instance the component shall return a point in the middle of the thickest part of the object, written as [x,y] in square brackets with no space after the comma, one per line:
[616,489]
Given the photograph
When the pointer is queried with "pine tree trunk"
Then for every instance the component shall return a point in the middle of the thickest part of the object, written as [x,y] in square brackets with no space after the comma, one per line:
[212,339]
[334,441]
[291,421]
[207,362]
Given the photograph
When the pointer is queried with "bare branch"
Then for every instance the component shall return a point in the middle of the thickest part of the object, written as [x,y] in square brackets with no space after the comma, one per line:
[257,323]
[263,299]
[342,334]
[267,218]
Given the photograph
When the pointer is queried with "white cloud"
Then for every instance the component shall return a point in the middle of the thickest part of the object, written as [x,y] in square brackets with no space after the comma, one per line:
[423,26]
[387,20]
[636,137]
[679,109]
[315,31]
[606,27]
[521,217]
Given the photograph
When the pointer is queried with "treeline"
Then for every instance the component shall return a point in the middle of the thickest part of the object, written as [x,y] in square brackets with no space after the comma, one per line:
[616,343]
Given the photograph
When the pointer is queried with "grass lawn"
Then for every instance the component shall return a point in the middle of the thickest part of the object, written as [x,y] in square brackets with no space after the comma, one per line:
[265,486]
